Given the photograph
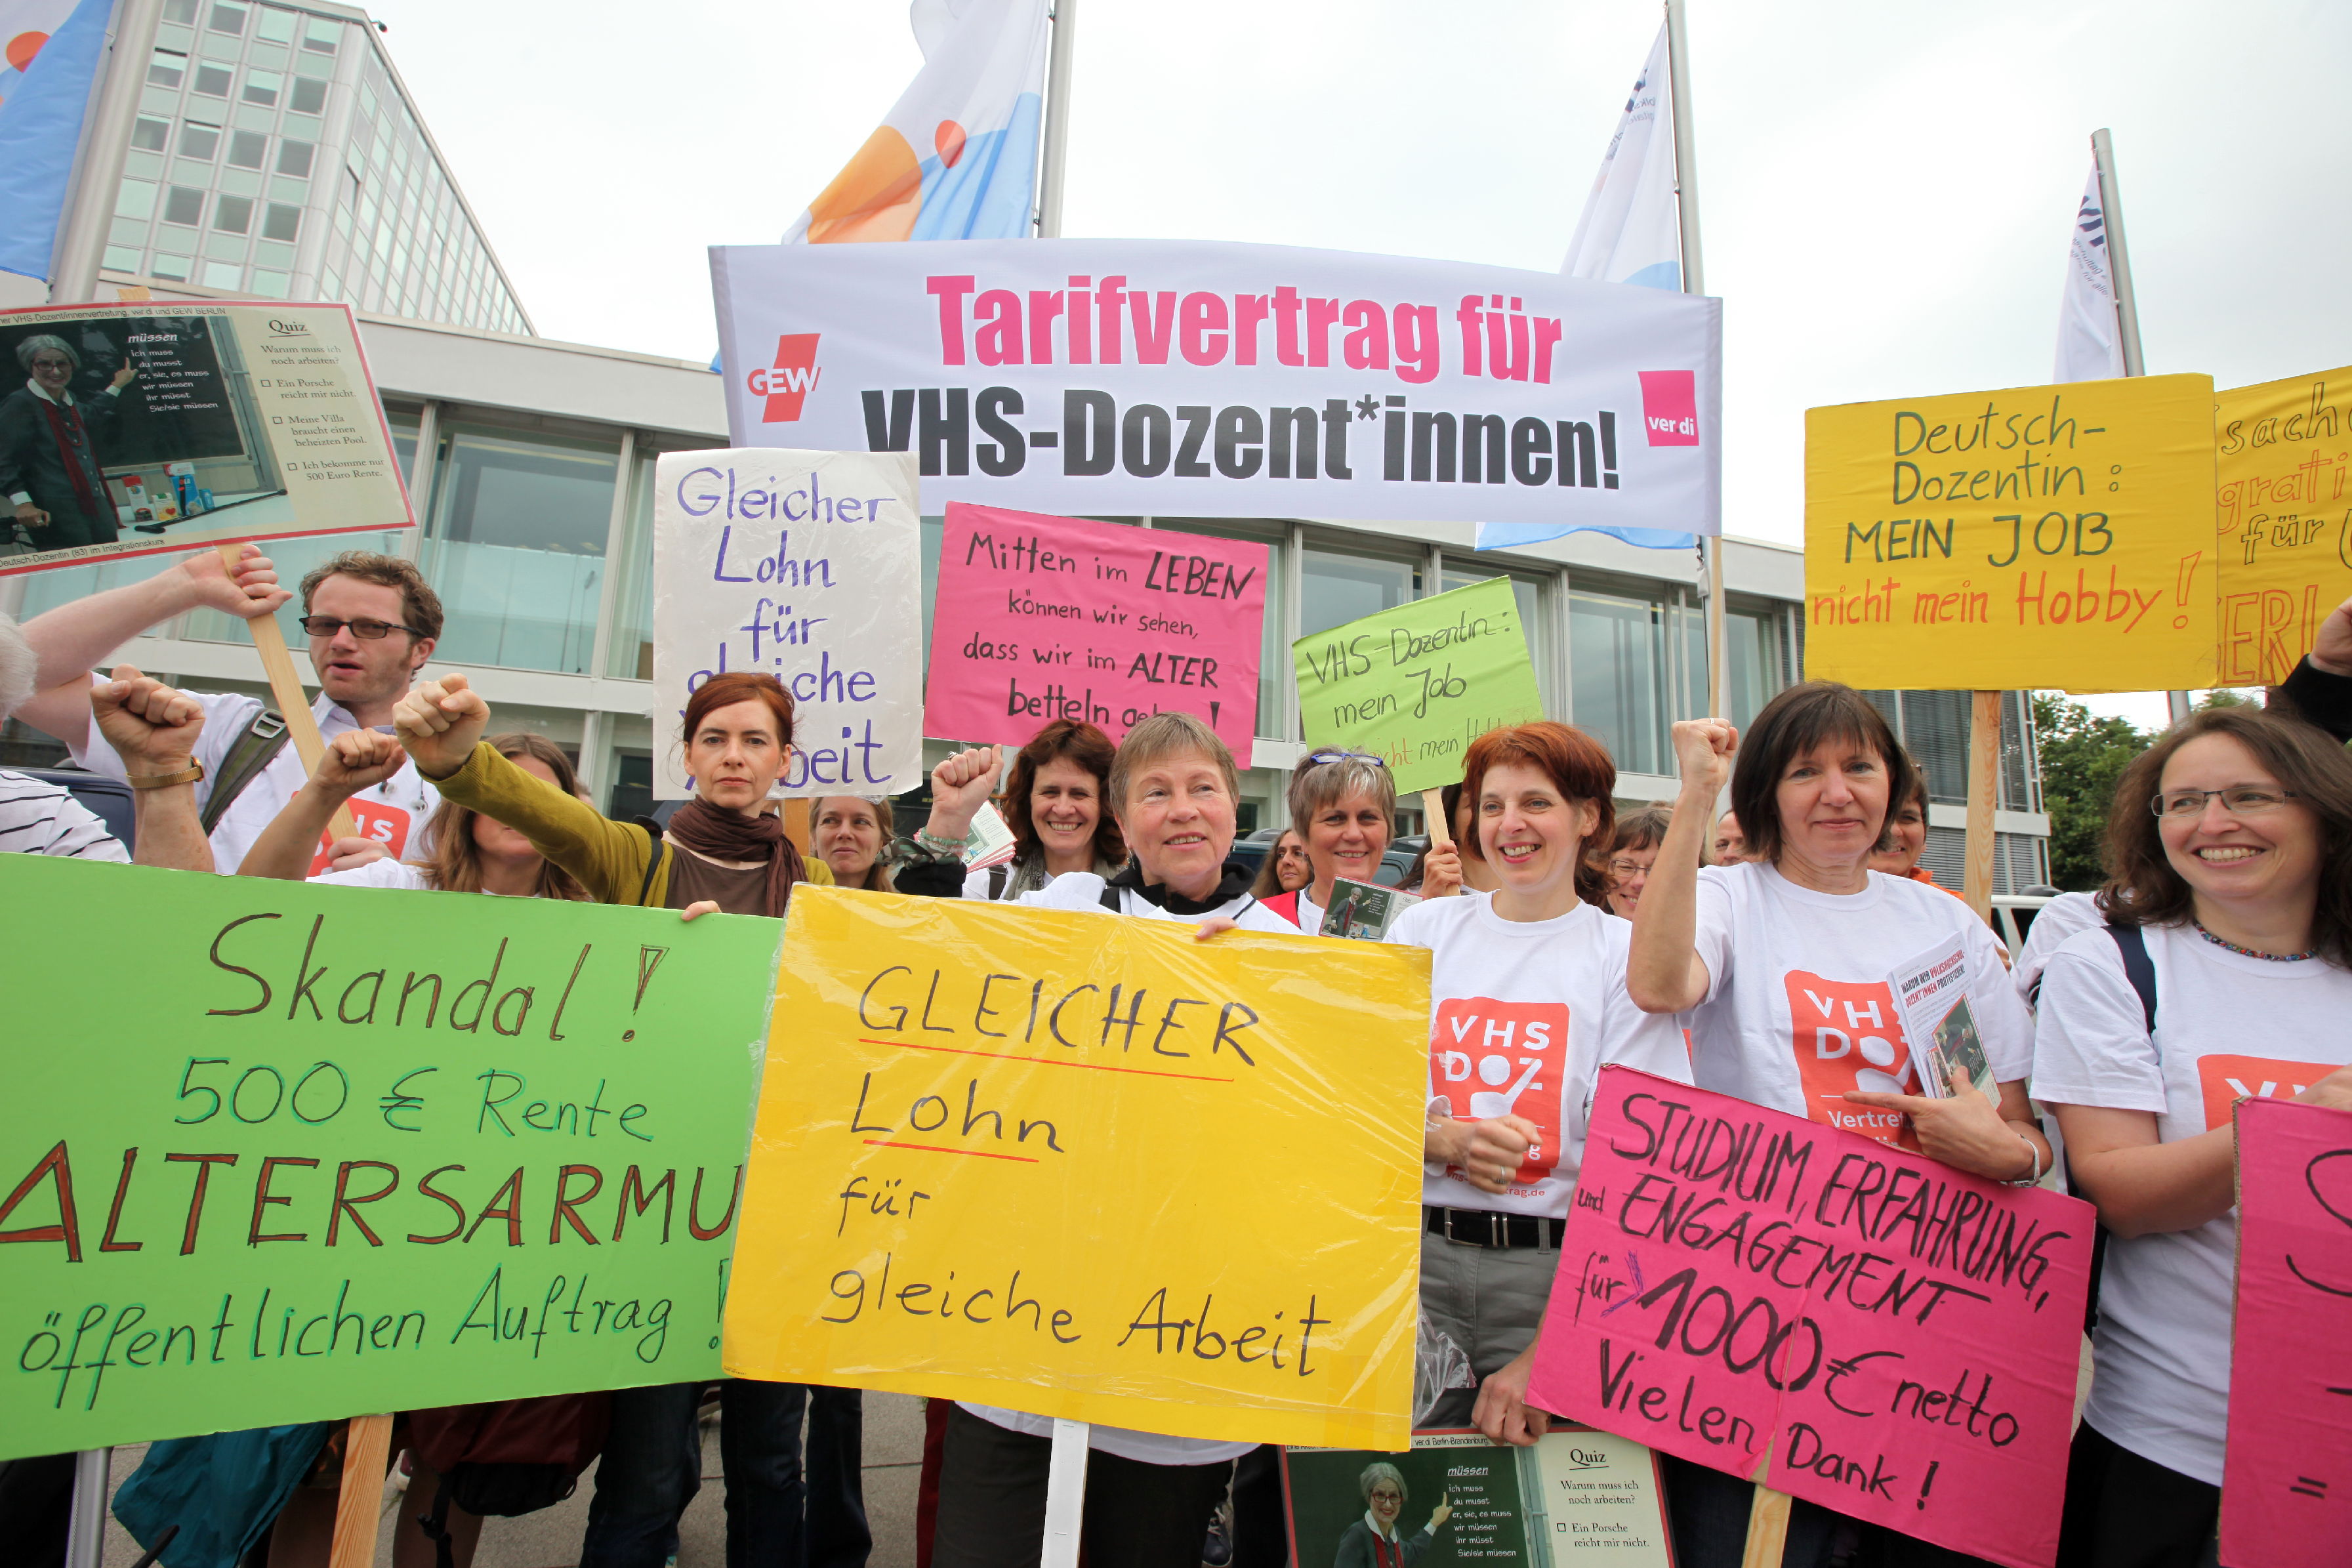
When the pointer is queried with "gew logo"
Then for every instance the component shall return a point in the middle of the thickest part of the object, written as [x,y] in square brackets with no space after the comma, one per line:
[787,383]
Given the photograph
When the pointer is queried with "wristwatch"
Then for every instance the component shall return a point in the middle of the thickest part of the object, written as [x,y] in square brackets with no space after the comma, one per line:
[189,774]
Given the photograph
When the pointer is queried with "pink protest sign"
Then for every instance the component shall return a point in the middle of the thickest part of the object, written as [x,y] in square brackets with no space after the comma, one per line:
[1840,1319]
[2286,1485]
[1039,618]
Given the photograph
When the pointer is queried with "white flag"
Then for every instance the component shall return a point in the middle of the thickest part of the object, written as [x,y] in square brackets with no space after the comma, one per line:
[2090,340]
[1631,229]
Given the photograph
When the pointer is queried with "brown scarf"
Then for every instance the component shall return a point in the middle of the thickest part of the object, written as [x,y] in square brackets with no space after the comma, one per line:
[724,835]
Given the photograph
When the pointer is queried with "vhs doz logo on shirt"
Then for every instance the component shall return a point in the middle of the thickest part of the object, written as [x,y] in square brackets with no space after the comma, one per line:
[1849,1036]
[1491,1059]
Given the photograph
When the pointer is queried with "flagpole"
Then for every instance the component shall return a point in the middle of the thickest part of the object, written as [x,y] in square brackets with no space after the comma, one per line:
[89,210]
[1695,282]
[1057,138]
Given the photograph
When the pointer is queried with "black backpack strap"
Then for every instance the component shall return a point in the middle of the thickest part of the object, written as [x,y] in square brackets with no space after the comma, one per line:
[254,749]
[658,852]
[2132,943]
[998,875]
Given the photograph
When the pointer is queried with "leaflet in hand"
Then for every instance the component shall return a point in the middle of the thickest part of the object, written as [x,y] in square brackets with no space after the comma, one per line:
[1363,910]
[1932,989]
[990,839]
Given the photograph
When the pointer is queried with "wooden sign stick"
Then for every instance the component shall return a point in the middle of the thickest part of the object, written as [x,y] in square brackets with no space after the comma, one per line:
[1984,776]
[359,1500]
[1767,1520]
[286,688]
[1433,811]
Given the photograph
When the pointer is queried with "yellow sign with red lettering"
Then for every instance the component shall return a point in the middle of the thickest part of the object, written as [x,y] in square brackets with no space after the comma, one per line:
[1086,1167]
[2284,519]
[2041,536]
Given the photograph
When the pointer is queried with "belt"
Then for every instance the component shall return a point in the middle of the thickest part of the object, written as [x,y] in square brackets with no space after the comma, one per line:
[1486,1227]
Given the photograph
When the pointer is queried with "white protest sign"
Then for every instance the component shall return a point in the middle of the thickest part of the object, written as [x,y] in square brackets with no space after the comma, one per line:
[1186,377]
[804,566]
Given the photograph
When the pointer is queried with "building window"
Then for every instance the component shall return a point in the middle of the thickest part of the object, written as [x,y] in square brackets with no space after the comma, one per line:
[223,274]
[167,68]
[174,268]
[319,36]
[282,222]
[310,96]
[271,285]
[233,215]
[1338,586]
[276,27]
[294,158]
[186,204]
[517,545]
[212,81]
[227,18]
[136,199]
[249,149]
[184,12]
[1617,677]
[263,88]
[199,140]
[150,135]
[1751,643]
[120,258]
[631,653]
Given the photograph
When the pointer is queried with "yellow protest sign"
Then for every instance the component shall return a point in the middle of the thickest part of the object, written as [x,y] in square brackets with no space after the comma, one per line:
[2037,536]
[2282,453]
[1089,1167]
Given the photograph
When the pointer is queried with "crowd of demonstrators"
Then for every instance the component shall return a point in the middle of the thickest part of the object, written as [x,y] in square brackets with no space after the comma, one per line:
[1632,850]
[1285,870]
[1343,805]
[1054,807]
[1537,962]
[851,834]
[2229,900]
[1812,785]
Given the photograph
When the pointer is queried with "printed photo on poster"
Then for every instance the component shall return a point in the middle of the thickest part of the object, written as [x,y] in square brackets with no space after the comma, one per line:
[147,427]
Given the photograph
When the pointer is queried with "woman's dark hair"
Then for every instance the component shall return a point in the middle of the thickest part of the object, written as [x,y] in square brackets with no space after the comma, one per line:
[2144,889]
[738,685]
[1064,739]
[1268,884]
[1643,828]
[1575,762]
[456,864]
[1807,715]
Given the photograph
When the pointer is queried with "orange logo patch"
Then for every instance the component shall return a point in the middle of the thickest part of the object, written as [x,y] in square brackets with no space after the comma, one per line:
[2226,1080]
[1849,1035]
[1490,1059]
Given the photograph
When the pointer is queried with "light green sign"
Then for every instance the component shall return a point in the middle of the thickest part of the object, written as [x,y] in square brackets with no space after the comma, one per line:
[274,1152]
[1417,684]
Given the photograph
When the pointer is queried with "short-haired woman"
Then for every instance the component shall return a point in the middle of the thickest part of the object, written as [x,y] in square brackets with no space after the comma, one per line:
[1633,850]
[1375,1540]
[51,474]
[2228,855]
[850,834]
[1285,870]
[1344,804]
[1783,962]
[720,852]
[1175,794]
[1538,961]
[1053,805]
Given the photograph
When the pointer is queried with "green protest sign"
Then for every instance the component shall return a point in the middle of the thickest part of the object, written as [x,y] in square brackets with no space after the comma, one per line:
[1417,684]
[276,1152]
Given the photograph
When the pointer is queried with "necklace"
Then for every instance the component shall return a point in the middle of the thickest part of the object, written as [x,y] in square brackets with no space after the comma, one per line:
[2252,952]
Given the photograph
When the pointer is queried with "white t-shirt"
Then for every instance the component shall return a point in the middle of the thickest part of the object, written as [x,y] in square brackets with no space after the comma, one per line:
[2056,920]
[1800,1007]
[1522,1016]
[395,874]
[2161,1387]
[395,812]
[37,817]
[1084,890]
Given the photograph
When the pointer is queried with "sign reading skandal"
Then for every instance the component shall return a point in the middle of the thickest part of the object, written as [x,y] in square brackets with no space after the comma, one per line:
[2036,536]
[968,1106]
[1168,377]
[148,427]
[348,1150]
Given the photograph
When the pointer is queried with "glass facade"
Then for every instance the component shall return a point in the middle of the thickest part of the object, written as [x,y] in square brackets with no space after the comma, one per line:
[275,154]
[514,544]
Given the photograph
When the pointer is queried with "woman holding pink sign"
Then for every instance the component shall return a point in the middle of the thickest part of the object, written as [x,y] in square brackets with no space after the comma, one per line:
[2225,969]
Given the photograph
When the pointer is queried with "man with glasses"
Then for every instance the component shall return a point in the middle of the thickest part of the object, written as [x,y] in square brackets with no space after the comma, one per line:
[50,473]
[371,621]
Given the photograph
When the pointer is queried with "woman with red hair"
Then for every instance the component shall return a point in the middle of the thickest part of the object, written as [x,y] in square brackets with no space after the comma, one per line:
[1539,961]
[720,852]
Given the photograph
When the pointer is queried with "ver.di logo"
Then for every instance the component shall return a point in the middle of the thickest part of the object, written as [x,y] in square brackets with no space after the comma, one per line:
[787,383]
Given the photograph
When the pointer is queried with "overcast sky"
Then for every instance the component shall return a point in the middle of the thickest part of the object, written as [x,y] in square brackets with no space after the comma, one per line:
[1885,189]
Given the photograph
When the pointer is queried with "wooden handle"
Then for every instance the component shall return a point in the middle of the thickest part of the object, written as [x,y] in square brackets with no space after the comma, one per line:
[796,824]
[1984,789]
[286,688]
[359,1502]
[1768,1528]
[1433,810]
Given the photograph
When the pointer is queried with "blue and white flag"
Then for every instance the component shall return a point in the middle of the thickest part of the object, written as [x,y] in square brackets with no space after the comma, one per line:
[43,94]
[2090,338]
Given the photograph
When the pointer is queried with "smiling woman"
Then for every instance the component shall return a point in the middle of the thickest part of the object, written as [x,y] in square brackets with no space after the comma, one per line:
[1053,804]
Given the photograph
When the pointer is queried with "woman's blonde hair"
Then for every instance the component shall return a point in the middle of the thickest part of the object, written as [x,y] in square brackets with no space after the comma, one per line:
[456,864]
[877,875]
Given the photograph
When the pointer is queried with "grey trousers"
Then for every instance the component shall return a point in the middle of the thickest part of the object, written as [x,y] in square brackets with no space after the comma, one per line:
[1487,1299]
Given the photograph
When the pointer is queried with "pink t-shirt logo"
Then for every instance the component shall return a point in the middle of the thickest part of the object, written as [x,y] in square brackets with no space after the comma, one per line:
[1848,1036]
[1490,1059]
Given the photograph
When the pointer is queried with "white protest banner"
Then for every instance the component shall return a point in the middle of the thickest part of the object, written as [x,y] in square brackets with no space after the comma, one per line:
[1188,377]
[804,566]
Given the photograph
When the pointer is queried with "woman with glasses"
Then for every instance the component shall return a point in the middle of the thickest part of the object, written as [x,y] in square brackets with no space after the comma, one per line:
[1285,870]
[50,471]
[1344,805]
[2229,856]
[1377,1540]
[1632,852]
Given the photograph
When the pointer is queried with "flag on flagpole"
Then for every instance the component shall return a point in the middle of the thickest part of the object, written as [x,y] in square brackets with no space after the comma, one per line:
[956,158]
[2090,339]
[43,94]
[1631,232]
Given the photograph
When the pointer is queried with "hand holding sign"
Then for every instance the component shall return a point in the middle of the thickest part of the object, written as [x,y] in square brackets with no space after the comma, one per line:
[2331,653]
[439,722]
[1966,1130]
[1503,1413]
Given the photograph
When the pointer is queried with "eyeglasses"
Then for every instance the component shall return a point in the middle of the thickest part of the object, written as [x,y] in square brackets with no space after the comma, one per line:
[1317,759]
[1623,868]
[374,631]
[2241,800]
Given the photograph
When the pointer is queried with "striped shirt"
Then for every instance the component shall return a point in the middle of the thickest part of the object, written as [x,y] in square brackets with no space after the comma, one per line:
[41,818]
